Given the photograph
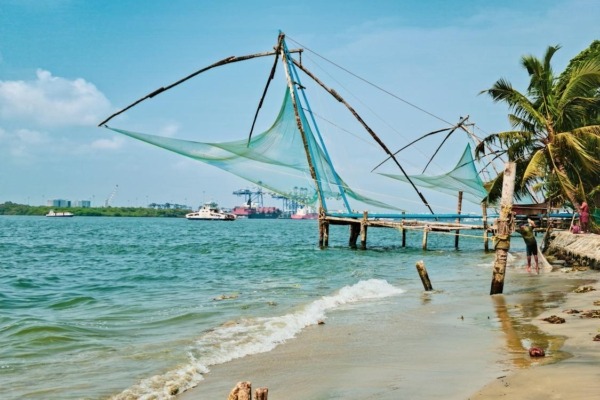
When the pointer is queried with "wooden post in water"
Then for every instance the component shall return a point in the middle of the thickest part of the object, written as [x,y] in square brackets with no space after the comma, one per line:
[354,232]
[424,276]
[363,230]
[403,231]
[321,232]
[486,246]
[323,229]
[459,209]
[425,233]
[504,225]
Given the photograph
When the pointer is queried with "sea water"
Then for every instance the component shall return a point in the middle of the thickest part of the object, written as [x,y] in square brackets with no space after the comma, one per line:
[98,307]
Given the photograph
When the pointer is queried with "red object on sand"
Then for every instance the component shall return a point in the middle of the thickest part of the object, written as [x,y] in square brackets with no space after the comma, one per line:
[537,352]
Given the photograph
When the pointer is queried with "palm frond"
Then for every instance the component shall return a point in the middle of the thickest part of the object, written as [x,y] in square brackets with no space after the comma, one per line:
[536,167]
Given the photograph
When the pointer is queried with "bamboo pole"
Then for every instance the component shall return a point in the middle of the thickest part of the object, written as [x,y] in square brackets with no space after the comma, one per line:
[458,211]
[299,124]
[425,233]
[326,233]
[363,230]
[504,225]
[367,128]
[424,276]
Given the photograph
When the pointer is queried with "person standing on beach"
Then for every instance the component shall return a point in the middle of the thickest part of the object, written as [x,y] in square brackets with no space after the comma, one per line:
[530,244]
[584,217]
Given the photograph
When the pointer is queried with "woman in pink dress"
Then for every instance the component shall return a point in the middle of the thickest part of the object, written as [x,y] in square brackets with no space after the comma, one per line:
[584,216]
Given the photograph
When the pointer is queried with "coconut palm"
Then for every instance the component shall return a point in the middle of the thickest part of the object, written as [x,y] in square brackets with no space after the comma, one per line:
[555,139]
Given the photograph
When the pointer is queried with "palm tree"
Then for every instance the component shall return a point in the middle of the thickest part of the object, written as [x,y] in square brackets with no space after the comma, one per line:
[555,139]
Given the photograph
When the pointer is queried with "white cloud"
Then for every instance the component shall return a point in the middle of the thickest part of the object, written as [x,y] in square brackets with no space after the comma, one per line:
[108,144]
[52,101]
[22,143]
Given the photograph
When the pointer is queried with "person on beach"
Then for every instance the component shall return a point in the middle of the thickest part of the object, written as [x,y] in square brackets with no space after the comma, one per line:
[530,244]
[584,217]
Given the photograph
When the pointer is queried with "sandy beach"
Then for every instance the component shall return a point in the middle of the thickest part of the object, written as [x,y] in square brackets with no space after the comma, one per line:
[575,377]
[335,361]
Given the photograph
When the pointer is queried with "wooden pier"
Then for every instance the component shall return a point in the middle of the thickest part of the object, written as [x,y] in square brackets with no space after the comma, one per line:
[360,226]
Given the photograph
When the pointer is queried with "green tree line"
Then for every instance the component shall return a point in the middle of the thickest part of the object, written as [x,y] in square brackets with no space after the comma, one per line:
[9,208]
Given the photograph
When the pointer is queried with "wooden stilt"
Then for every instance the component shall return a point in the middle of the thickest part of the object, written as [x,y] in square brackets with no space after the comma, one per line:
[423,275]
[326,234]
[403,232]
[363,231]
[486,245]
[321,232]
[459,209]
[354,232]
[425,233]
[504,226]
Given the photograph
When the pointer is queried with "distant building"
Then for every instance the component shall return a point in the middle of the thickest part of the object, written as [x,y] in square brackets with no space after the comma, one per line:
[68,203]
[59,203]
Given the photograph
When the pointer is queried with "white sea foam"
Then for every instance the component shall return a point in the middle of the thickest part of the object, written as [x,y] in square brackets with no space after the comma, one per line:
[251,336]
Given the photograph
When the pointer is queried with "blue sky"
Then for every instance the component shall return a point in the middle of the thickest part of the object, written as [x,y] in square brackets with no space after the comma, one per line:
[65,65]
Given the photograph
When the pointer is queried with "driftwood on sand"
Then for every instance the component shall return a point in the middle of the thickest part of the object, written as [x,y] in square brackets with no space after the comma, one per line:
[243,391]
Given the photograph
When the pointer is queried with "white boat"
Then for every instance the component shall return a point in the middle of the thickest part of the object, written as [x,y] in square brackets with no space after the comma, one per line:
[63,214]
[210,212]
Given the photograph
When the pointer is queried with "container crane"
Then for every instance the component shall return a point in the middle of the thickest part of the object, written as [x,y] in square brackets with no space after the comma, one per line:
[111,197]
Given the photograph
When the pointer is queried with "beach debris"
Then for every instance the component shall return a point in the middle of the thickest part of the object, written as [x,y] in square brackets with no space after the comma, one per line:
[553,319]
[572,311]
[172,390]
[261,393]
[580,268]
[320,322]
[590,314]
[597,303]
[537,352]
[241,391]
[597,338]
[272,303]
[226,297]
[584,289]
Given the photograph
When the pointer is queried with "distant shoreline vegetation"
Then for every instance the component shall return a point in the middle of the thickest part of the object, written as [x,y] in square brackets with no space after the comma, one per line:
[9,208]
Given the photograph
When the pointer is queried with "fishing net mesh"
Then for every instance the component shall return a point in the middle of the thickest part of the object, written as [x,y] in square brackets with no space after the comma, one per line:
[464,177]
[275,159]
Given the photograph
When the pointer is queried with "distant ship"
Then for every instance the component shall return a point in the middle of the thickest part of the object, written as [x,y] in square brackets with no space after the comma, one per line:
[305,213]
[246,211]
[62,214]
[210,212]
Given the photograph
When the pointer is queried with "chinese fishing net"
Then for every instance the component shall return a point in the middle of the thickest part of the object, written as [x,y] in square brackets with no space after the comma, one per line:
[275,159]
[463,177]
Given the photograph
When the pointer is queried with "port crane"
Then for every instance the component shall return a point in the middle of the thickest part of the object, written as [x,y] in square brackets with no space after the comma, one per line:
[251,197]
[111,196]
[292,200]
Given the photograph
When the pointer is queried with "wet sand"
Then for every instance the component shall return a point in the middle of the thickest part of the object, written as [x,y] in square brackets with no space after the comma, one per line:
[458,347]
[575,377]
